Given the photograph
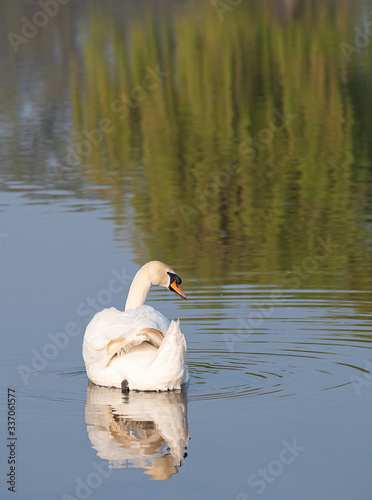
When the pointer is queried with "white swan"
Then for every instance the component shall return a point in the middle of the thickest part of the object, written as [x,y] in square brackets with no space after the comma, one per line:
[137,349]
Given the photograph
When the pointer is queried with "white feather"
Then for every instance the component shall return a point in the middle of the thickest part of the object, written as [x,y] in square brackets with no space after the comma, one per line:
[137,345]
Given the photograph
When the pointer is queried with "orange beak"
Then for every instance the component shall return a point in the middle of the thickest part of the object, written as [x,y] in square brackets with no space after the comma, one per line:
[177,289]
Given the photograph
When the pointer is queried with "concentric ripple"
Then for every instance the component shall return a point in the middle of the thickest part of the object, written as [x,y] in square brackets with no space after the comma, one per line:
[249,341]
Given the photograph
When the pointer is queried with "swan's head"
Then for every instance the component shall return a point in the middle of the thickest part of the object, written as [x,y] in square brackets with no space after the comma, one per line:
[163,275]
[174,284]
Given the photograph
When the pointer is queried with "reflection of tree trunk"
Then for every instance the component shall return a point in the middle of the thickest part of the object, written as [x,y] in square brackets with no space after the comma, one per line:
[284,9]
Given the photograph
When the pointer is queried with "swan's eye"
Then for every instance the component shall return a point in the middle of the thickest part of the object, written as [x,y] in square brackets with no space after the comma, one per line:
[174,278]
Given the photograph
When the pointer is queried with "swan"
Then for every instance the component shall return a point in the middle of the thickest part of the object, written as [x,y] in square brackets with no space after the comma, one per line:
[138,349]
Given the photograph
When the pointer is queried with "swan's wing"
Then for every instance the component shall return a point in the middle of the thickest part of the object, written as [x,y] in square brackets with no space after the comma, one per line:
[112,332]
[126,342]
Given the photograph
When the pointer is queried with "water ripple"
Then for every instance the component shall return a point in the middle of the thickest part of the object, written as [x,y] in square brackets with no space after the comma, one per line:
[306,344]
[307,341]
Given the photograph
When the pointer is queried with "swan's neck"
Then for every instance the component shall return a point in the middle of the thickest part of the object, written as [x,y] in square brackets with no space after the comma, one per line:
[138,291]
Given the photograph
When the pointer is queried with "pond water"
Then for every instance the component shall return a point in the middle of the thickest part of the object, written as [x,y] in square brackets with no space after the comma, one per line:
[230,140]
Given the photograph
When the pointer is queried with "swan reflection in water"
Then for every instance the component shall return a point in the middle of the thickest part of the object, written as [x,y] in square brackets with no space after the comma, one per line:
[145,430]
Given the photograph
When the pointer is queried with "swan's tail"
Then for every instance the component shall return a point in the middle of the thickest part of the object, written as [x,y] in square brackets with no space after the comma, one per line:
[173,337]
[170,360]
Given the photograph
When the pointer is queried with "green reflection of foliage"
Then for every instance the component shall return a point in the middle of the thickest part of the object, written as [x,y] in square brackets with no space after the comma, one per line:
[181,150]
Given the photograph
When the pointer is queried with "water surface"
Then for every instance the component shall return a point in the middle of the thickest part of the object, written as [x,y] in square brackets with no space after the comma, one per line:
[234,145]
